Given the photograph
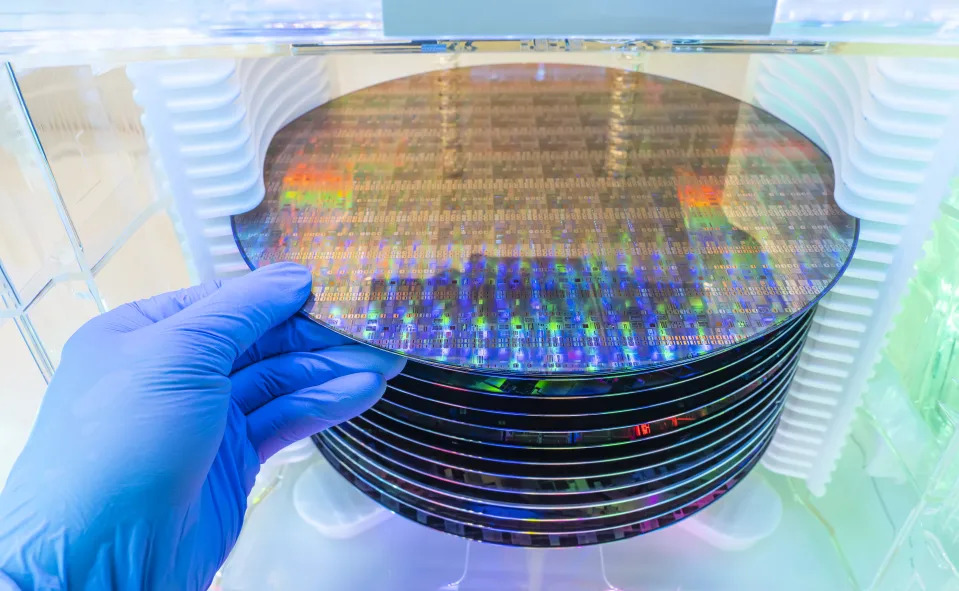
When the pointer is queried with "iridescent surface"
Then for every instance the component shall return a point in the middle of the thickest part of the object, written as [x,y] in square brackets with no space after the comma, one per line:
[568,413]
[566,391]
[549,219]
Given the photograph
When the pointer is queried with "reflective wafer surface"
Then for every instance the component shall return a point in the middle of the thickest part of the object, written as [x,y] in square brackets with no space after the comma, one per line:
[549,219]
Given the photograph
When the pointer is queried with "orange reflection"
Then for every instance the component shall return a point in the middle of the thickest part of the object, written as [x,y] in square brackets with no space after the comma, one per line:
[692,193]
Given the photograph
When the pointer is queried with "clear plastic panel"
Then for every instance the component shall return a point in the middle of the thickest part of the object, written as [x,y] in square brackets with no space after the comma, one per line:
[150,262]
[89,126]
[83,209]
[21,392]
[913,406]
[59,312]
[34,249]
[892,510]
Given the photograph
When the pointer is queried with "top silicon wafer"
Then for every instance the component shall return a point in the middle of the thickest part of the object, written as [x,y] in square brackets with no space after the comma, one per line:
[549,219]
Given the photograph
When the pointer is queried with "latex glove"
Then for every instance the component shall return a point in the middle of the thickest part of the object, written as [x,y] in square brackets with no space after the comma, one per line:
[153,428]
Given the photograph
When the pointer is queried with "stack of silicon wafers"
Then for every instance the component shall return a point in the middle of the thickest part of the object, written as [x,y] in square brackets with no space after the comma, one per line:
[546,462]
[601,281]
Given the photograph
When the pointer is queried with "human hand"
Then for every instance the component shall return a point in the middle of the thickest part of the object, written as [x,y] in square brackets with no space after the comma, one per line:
[154,426]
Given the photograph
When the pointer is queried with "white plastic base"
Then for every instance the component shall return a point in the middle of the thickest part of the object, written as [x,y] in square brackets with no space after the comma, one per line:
[316,531]
[744,516]
[332,505]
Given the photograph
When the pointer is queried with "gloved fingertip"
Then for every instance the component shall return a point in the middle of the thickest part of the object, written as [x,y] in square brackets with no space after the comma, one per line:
[336,400]
[292,275]
[355,393]
[356,357]
[394,365]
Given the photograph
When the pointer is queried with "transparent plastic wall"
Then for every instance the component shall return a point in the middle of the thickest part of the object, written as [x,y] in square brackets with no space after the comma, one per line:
[898,478]
[83,225]
[117,182]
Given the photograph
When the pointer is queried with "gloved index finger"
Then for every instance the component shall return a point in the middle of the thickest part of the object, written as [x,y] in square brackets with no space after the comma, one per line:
[227,322]
[165,305]
[141,313]
[297,334]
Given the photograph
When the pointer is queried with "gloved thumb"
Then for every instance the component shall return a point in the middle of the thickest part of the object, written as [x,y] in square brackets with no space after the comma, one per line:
[295,416]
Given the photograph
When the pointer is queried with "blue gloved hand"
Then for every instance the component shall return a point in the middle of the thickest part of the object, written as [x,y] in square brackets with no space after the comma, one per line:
[154,426]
